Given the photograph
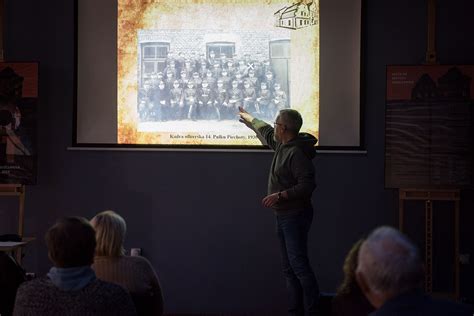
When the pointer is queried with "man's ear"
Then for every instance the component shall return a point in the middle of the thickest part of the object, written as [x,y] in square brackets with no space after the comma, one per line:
[362,283]
[364,287]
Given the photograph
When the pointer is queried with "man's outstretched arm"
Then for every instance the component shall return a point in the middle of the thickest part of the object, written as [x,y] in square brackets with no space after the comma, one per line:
[259,126]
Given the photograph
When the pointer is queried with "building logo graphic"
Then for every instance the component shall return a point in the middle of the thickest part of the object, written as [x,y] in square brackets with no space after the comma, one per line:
[297,16]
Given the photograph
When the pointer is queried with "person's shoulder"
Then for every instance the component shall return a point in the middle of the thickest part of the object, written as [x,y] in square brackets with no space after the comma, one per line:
[299,154]
[31,295]
[424,305]
[445,307]
[139,262]
[35,286]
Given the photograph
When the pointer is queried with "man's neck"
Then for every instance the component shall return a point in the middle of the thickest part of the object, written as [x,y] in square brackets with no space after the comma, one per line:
[287,138]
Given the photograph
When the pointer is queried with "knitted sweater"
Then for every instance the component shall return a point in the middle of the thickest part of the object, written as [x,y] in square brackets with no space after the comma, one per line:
[135,274]
[42,297]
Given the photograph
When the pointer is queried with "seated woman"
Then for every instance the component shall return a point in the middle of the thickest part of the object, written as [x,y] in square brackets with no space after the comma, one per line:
[71,287]
[349,299]
[133,273]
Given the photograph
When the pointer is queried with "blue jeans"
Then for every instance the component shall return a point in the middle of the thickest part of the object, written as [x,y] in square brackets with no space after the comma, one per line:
[303,289]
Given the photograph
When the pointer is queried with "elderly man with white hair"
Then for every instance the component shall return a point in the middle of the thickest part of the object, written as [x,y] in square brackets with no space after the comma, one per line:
[390,274]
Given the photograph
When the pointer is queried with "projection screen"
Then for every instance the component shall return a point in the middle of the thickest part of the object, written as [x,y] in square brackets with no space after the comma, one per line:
[172,74]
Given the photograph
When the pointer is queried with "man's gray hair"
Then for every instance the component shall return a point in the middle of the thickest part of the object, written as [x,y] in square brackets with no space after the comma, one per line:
[292,119]
[390,262]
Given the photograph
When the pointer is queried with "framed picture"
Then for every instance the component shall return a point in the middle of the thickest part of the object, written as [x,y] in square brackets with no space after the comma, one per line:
[184,69]
[429,129]
[18,108]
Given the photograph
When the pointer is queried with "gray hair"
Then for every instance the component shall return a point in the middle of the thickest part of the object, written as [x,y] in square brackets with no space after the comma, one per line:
[292,119]
[390,262]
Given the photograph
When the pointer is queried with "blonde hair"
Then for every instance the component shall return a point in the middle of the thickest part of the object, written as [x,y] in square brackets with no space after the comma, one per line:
[110,231]
[350,266]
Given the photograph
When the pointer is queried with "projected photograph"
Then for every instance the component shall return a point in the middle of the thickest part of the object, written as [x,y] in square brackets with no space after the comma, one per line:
[185,68]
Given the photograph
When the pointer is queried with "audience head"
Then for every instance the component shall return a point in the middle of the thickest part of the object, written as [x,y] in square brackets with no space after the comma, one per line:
[349,269]
[110,231]
[388,265]
[71,242]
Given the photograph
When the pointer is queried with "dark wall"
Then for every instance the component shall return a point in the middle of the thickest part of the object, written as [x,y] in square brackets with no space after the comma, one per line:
[198,215]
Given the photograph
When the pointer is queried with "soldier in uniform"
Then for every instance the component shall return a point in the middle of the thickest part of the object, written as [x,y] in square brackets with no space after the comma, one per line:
[176,102]
[279,100]
[161,102]
[247,60]
[159,77]
[216,70]
[184,79]
[194,60]
[211,80]
[249,98]
[258,67]
[266,67]
[225,78]
[202,59]
[145,97]
[196,80]
[264,97]
[235,99]
[206,101]
[170,78]
[254,80]
[242,68]
[238,78]
[190,101]
[269,80]
[180,61]
[223,60]
[212,59]
[171,67]
[189,68]
[231,70]
[235,58]
[203,69]
[221,100]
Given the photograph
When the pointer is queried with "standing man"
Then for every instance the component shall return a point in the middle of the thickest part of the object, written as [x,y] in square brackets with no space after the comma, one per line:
[290,186]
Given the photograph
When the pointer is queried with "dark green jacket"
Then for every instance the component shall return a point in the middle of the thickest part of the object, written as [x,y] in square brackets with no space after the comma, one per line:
[291,170]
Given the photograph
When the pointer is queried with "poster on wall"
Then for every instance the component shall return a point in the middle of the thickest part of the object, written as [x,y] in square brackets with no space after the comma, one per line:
[18,106]
[429,126]
[184,68]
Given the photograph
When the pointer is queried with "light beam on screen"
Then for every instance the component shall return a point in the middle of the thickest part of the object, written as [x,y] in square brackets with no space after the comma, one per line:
[277,36]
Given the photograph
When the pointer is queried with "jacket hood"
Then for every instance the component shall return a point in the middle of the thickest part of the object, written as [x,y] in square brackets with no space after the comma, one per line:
[306,142]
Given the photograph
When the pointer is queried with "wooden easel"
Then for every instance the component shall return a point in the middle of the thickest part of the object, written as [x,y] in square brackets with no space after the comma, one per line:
[429,196]
[17,190]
